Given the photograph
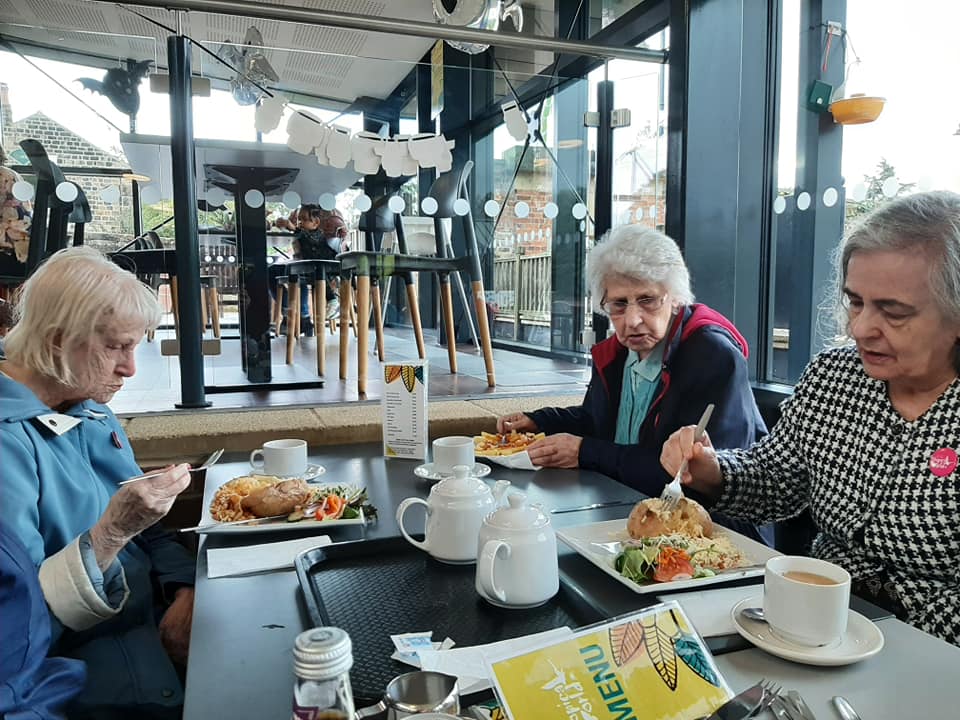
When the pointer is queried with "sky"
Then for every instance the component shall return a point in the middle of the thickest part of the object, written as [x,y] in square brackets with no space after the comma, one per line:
[911,68]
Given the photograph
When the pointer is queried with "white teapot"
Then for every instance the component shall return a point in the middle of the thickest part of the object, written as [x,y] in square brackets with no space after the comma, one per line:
[517,556]
[456,508]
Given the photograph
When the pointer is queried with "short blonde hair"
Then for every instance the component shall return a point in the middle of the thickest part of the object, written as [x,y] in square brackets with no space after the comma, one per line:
[637,253]
[74,295]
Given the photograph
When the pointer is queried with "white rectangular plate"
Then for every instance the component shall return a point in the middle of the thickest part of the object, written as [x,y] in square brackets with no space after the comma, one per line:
[601,542]
[269,526]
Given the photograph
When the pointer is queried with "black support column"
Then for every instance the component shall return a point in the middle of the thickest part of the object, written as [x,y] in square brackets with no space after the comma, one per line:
[722,153]
[185,219]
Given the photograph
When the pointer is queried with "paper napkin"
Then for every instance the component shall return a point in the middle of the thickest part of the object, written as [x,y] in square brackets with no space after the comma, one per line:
[224,562]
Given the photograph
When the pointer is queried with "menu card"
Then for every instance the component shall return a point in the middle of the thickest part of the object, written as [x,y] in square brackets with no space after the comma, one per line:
[649,664]
[404,405]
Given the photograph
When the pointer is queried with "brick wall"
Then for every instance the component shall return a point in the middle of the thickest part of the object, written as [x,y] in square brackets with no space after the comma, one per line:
[112,224]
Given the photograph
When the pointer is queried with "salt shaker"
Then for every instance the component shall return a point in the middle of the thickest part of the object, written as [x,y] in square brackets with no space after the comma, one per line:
[322,658]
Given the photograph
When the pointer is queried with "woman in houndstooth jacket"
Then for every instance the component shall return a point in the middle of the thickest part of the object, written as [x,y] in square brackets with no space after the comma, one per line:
[869,440]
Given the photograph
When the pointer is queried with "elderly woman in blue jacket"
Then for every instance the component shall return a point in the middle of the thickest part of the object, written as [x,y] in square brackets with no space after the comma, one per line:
[99,553]
[668,358]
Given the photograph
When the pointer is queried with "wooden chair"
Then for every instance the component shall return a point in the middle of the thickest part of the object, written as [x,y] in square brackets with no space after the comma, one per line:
[447,188]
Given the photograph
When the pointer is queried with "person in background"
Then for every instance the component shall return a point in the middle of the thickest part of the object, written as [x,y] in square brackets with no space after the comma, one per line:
[15,219]
[869,439]
[667,360]
[119,589]
[318,235]
[6,322]
[32,685]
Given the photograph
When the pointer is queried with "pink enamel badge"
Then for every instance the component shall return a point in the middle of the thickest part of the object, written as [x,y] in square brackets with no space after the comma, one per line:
[943,462]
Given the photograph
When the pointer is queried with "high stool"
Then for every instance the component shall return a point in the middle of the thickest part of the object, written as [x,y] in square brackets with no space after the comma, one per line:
[210,302]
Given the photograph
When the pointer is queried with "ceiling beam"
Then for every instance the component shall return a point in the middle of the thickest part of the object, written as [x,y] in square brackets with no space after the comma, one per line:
[311,16]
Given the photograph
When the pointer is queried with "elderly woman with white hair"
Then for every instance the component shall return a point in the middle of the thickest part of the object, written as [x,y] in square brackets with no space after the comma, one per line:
[869,440]
[106,570]
[668,359]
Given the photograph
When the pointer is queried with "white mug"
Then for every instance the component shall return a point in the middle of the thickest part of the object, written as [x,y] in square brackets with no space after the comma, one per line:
[283,458]
[806,601]
[452,450]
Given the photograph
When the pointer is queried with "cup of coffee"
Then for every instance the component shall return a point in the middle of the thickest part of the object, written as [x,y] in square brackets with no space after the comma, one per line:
[283,458]
[450,451]
[806,601]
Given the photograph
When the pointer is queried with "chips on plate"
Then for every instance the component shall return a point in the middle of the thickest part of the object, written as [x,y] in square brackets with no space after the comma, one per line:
[496,444]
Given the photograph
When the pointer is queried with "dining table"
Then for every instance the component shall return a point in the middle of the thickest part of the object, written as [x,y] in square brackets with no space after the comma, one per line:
[240,663]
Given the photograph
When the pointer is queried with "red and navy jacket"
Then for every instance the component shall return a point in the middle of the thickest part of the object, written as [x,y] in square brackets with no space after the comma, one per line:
[704,361]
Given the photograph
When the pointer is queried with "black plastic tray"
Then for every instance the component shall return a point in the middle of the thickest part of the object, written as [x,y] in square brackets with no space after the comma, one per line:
[378,588]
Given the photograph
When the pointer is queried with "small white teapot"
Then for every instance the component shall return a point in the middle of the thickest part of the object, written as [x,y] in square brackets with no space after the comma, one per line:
[456,508]
[517,556]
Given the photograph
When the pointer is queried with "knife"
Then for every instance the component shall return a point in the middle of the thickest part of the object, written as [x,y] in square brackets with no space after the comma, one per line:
[250,521]
[740,706]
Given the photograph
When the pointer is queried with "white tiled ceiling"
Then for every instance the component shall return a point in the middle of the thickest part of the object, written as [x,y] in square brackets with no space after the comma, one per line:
[324,62]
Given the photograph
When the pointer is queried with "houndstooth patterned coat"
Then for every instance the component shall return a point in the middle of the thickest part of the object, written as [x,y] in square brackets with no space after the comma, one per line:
[866,474]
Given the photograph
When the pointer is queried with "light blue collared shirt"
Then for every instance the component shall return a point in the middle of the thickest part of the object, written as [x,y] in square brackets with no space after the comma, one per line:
[641,379]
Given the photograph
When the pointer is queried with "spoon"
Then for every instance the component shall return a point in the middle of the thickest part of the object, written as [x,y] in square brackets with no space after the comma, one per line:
[845,708]
[754,613]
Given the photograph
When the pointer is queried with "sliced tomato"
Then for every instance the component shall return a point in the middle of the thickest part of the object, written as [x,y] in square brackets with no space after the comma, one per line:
[331,508]
[671,563]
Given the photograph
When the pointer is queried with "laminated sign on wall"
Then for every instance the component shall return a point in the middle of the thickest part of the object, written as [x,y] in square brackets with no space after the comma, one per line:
[404,405]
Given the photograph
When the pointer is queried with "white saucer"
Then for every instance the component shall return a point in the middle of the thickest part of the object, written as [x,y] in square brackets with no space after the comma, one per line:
[428,472]
[311,473]
[863,639]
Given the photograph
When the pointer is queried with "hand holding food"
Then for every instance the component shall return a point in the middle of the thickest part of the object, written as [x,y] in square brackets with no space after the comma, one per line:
[703,470]
[516,422]
[561,450]
[134,508]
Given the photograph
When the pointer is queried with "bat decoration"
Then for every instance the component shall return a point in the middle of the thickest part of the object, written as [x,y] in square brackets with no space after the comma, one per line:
[253,66]
[121,86]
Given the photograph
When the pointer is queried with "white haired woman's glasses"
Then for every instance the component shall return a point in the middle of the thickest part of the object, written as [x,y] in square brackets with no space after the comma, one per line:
[646,304]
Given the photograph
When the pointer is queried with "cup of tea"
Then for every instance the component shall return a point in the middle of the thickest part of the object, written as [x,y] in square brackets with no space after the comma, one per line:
[806,601]
[451,451]
[283,458]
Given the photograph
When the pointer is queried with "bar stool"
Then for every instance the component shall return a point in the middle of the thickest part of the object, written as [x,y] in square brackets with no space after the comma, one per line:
[446,190]
[210,302]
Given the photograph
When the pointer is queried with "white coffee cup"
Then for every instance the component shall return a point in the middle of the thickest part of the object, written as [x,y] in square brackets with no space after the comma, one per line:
[452,450]
[283,458]
[801,610]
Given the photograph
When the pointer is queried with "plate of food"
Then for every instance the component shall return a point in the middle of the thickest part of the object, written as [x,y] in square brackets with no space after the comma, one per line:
[655,551]
[265,503]
[507,449]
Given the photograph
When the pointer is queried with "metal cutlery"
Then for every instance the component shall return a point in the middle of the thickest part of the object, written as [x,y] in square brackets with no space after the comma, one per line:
[673,493]
[845,708]
[593,506]
[748,703]
[249,521]
[797,699]
[203,466]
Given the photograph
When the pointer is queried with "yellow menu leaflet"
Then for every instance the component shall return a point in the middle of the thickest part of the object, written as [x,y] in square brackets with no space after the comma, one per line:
[649,665]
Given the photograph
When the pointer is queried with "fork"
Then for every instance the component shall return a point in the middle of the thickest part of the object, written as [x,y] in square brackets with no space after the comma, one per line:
[673,493]
[206,463]
[771,695]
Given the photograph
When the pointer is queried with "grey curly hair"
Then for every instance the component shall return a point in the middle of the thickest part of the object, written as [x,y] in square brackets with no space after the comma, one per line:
[637,253]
